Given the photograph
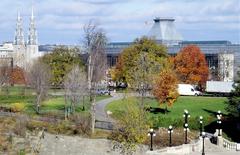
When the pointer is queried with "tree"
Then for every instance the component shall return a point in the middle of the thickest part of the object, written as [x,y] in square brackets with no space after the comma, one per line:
[131,128]
[95,42]
[233,103]
[5,73]
[143,49]
[75,85]
[165,87]
[39,79]
[191,66]
[61,61]
[18,76]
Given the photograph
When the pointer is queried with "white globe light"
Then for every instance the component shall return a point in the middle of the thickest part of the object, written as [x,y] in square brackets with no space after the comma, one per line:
[201,117]
[151,130]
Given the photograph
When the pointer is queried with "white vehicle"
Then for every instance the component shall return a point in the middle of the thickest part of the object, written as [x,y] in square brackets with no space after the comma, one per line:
[219,88]
[187,89]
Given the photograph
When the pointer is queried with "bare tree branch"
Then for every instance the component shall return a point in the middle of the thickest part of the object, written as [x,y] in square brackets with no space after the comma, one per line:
[39,80]
[75,86]
[95,42]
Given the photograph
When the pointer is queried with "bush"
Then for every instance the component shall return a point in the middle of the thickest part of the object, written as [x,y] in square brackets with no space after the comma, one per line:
[82,123]
[21,125]
[17,107]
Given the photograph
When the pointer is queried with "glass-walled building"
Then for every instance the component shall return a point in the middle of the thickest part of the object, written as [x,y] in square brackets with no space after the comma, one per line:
[164,32]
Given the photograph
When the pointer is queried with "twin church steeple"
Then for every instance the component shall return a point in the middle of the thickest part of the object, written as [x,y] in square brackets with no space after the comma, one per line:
[32,32]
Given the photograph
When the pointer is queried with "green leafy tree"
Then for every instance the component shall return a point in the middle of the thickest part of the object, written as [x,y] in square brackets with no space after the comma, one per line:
[233,103]
[131,128]
[61,61]
[145,54]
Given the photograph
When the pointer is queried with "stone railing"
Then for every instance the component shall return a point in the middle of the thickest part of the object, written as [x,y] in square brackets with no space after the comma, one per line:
[230,145]
[184,149]
[222,142]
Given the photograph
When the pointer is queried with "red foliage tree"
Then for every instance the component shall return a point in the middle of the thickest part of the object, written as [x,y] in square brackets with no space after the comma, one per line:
[191,66]
[17,76]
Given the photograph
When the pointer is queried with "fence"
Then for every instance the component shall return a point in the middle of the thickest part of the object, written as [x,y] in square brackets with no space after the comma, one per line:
[104,125]
[230,145]
[196,146]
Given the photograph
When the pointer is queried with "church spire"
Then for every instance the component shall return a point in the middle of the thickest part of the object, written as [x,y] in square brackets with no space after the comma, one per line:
[19,37]
[32,34]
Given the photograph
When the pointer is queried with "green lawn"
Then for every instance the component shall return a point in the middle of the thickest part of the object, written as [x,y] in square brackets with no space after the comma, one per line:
[53,104]
[197,106]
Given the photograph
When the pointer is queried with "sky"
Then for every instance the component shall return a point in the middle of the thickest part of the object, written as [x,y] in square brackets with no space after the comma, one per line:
[62,21]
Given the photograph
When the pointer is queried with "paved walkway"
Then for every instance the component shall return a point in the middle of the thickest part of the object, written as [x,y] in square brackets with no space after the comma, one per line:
[74,145]
[101,114]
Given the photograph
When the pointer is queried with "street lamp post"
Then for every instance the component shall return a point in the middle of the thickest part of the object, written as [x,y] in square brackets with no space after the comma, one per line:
[203,137]
[170,131]
[201,125]
[219,121]
[152,134]
[186,115]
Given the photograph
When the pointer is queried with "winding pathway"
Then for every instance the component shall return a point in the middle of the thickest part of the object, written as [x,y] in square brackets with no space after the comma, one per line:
[101,114]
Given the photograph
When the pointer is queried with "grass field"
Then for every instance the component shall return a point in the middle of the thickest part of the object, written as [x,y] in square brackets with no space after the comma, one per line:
[53,104]
[197,106]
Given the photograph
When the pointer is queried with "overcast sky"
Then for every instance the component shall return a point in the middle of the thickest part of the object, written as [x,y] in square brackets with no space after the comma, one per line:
[61,21]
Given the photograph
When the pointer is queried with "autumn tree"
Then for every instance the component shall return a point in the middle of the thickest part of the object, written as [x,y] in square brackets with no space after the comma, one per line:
[145,50]
[191,66]
[95,42]
[61,60]
[39,79]
[75,85]
[165,87]
[18,76]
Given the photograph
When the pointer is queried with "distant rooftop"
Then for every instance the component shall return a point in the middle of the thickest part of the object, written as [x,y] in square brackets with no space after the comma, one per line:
[225,42]
[164,29]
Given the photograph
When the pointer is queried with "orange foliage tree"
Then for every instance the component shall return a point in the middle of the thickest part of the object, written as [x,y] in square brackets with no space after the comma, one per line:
[165,87]
[191,66]
[17,76]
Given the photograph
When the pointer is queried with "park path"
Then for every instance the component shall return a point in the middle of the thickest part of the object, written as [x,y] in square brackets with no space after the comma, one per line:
[75,145]
[101,114]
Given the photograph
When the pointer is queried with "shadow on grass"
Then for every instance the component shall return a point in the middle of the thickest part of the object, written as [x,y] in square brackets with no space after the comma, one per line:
[230,126]
[157,110]
[213,113]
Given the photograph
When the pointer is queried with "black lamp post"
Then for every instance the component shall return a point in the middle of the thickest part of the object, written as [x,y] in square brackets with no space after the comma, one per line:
[203,137]
[170,131]
[201,125]
[152,134]
[186,115]
[219,121]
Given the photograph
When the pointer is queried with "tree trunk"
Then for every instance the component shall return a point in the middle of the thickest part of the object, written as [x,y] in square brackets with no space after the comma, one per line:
[93,112]
[165,109]
[38,104]
[65,105]
[83,109]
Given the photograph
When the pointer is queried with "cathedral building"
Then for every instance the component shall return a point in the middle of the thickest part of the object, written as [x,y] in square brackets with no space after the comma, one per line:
[22,52]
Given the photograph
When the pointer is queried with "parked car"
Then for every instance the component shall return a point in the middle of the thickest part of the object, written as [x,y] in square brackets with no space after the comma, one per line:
[187,89]
[102,92]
